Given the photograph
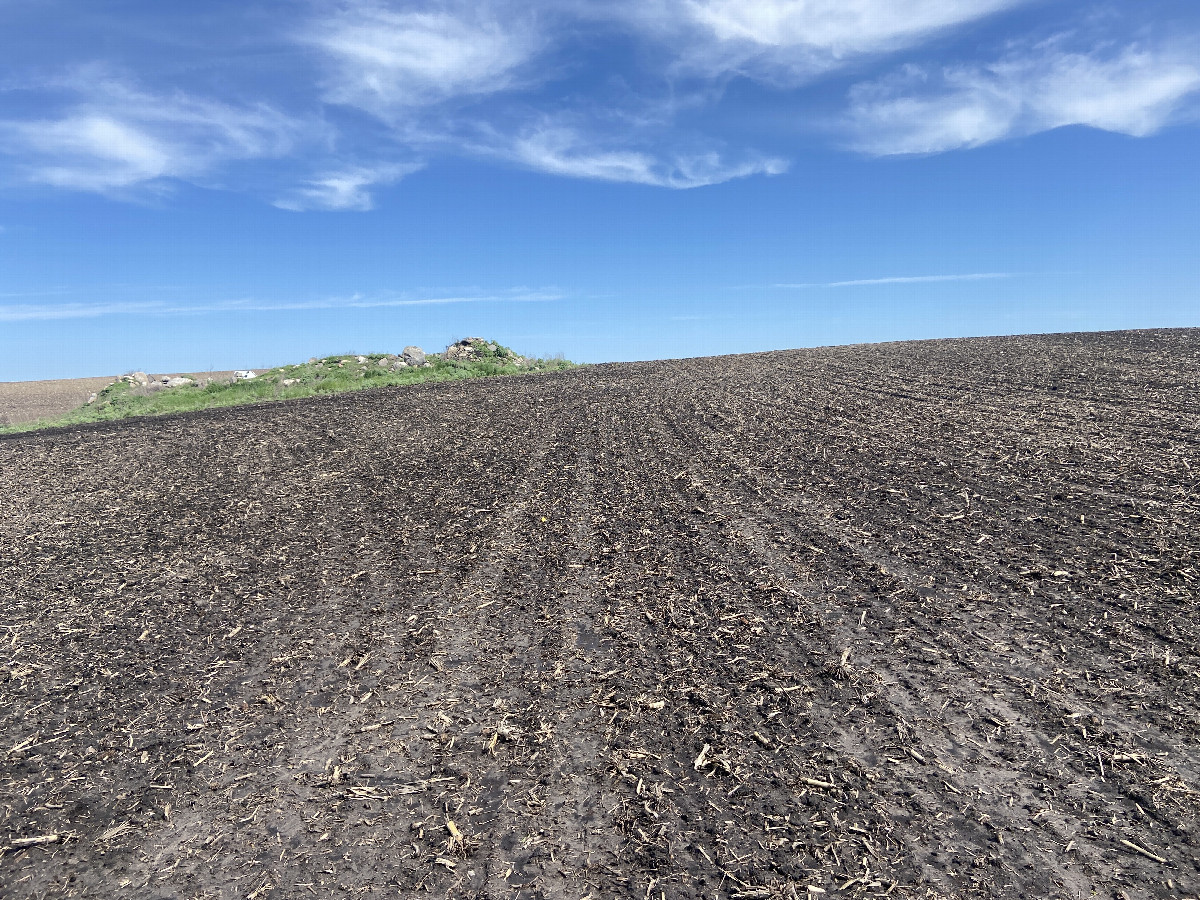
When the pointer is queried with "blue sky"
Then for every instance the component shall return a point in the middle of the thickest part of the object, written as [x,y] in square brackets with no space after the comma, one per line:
[187,186]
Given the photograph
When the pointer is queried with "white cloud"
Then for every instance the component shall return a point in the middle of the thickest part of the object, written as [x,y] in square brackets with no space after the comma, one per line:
[839,27]
[117,136]
[790,40]
[550,86]
[344,189]
[901,279]
[1135,90]
[23,312]
[408,68]
[561,150]
[386,60]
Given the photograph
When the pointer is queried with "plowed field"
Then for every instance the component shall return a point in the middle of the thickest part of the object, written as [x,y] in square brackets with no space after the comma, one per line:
[29,401]
[906,620]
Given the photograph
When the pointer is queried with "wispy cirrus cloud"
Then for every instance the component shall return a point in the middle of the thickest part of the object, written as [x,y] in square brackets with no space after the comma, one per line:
[900,279]
[362,93]
[344,189]
[25,312]
[563,150]
[793,40]
[422,74]
[113,135]
[1135,89]
[388,59]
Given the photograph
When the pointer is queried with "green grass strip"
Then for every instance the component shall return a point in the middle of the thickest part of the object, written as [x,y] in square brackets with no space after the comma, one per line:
[330,375]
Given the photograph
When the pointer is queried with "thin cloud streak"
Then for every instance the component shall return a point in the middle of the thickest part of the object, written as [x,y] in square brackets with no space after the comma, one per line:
[561,150]
[30,312]
[344,189]
[899,279]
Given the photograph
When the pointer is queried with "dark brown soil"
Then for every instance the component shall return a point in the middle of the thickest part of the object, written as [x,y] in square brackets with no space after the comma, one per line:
[29,401]
[908,620]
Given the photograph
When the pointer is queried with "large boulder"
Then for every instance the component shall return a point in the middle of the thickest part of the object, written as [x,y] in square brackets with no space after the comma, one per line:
[413,356]
[177,381]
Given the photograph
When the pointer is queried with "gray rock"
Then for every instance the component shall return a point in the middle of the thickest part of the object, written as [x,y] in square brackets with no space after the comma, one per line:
[470,348]
[413,356]
[244,375]
[361,359]
[177,381]
[288,382]
[138,378]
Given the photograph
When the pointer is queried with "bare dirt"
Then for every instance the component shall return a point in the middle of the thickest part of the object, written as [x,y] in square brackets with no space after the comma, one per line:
[906,620]
[22,402]
[29,401]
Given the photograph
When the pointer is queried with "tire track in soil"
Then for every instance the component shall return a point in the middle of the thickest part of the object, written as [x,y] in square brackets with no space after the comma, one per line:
[337,546]
[530,724]
[912,693]
[857,750]
[722,852]
[400,794]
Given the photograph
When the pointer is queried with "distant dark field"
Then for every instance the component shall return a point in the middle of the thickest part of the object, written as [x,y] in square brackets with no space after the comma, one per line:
[905,620]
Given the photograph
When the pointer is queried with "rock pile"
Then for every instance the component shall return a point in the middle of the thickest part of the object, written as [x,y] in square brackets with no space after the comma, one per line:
[143,381]
[476,348]
[468,349]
